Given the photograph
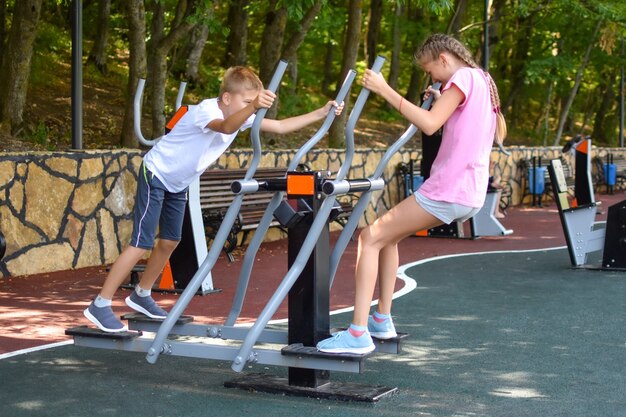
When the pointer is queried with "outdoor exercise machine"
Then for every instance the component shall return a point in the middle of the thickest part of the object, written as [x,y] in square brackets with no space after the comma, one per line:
[181,325]
[192,248]
[582,235]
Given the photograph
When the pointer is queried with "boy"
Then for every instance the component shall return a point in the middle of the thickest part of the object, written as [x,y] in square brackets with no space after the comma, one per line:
[195,142]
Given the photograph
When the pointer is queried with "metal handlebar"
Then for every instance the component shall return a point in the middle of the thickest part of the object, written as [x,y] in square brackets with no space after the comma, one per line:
[137,110]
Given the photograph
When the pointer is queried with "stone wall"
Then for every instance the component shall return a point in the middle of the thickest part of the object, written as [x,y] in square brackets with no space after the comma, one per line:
[71,210]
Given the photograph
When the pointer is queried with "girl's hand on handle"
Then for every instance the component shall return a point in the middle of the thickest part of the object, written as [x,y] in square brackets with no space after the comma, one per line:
[431,91]
[373,81]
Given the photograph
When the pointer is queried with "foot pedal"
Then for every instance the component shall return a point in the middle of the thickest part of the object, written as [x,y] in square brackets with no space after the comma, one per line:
[139,317]
[298,349]
[393,345]
[84,331]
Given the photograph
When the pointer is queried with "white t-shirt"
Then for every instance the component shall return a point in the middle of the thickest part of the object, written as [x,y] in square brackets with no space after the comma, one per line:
[190,147]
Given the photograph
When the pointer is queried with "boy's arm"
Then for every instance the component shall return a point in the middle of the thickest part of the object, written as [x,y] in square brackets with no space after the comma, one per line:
[233,123]
[291,124]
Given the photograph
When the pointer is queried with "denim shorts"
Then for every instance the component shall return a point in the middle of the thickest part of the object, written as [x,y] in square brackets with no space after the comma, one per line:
[155,206]
[444,211]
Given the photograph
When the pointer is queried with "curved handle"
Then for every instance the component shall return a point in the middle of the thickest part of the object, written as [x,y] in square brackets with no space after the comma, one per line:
[141,83]
[354,116]
[255,130]
[137,115]
[181,93]
[330,117]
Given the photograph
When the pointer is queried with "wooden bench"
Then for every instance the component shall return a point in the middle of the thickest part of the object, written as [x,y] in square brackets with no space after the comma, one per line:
[216,197]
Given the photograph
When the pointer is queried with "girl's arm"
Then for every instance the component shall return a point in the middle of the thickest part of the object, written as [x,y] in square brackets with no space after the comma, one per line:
[291,124]
[428,121]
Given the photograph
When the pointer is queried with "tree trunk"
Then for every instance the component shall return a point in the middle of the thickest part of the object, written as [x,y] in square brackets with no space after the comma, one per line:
[607,86]
[291,49]
[199,36]
[237,38]
[518,62]
[350,50]
[579,77]
[457,18]
[394,69]
[137,64]
[98,54]
[272,41]
[328,68]
[272,46]
[3,27]
[160,46]
[373,31]
[17,62]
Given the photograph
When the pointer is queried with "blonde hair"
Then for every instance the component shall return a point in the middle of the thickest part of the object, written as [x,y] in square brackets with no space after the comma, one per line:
[238,79]
[438,43]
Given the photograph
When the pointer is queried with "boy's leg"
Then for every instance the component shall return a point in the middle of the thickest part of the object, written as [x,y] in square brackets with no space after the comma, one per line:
[99,311]
[170,228]
[148,200]
[158,258]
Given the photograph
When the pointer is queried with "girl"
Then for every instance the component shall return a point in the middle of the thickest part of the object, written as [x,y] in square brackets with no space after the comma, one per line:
[469,110]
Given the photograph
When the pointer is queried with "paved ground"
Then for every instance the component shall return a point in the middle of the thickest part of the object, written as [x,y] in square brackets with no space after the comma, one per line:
[506,334]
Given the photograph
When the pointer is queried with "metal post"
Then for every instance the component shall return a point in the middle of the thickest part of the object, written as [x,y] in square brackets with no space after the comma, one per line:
[309,298]
[486,35]
[621,102]
[77,74]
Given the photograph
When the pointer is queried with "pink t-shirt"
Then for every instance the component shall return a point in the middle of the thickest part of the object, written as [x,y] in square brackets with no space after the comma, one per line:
[460,172]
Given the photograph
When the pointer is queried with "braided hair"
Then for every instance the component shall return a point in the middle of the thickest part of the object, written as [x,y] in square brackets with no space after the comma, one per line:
[438,43]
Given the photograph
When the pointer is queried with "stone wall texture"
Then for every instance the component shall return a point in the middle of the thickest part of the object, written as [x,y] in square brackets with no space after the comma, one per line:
[67,210]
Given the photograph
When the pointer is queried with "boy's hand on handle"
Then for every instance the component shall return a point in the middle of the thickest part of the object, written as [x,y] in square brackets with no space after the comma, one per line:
[264,100]
[373,81]
[323,112]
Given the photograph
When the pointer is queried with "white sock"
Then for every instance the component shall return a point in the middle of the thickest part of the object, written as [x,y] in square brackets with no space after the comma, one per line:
[101,302]
[141,292]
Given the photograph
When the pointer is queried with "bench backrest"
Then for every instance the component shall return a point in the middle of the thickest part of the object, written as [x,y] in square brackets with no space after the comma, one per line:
[215,192]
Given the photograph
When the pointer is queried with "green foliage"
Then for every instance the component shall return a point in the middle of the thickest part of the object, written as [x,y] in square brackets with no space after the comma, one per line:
[536,46]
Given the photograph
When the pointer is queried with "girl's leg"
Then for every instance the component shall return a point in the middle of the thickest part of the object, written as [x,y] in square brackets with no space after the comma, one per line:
[378,252]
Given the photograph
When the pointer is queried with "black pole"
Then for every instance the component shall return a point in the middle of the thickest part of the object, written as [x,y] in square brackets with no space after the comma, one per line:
[486,40]
[621,102]
[77,74]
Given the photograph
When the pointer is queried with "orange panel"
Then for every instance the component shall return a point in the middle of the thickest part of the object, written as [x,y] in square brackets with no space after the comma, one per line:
[300,184]
[180,113]
[583,147]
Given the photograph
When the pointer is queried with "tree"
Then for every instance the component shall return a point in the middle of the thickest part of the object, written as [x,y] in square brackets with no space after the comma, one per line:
[137,64]
[373,30]
[161,43]
[16,63]
[238,36]
[577,81]
[98,55]
[350,50]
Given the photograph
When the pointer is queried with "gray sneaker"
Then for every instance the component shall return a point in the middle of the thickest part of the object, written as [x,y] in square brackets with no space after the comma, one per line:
[104,318]
[145,305]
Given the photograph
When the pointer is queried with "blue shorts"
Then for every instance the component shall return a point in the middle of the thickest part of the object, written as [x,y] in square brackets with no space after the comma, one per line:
[444,211]
[155,206]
